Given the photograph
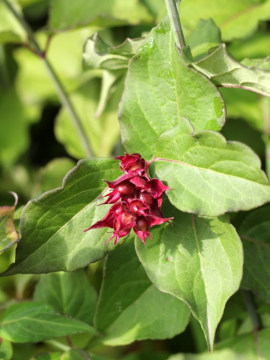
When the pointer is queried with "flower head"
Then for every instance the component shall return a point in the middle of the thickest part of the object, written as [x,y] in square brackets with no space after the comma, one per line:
[136,201]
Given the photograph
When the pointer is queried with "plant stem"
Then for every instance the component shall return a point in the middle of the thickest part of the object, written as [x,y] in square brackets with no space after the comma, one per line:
[251,307]
[55,79]
[176,24]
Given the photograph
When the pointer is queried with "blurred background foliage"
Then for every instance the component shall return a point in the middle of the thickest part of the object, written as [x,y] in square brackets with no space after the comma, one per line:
[38,141]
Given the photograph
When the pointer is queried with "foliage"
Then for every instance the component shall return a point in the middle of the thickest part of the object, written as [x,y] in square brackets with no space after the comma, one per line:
[89,80]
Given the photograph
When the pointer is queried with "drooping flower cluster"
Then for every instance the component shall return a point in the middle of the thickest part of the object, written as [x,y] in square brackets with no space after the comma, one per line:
[136,200]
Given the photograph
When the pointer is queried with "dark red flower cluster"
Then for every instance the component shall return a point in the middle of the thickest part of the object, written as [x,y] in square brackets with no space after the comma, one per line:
[136,200]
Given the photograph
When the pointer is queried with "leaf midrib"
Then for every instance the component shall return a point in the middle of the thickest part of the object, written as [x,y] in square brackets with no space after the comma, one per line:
[207,169]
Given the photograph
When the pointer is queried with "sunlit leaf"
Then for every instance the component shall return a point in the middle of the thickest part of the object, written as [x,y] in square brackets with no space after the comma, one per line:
[159,90]
[11,31]
[223,70]
[65,14]
[199,261]
[236,19]
[207,175]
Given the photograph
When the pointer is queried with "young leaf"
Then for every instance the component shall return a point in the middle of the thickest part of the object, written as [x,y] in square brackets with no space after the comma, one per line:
[236,19]
[66,14]
[52,226]
[68,293]
[207,175]
[130,307]
[98,54]
[206,36]
[8,233]
[199,261]
[223,70]
[160,89]
[255,234]
[34,322]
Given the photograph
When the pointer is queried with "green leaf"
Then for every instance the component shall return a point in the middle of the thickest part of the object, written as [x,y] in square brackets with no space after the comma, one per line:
[52,226]
[242,104]
[102,132]
[199,261]
[32,81]
[76,354]
[11,30]
[6,351]
[51,175]
[8,233]
[256,46]
[159,89]
[249,346]
[223,70]
[48,356]
[68,293]
[205,36]
[34,322]
[65,14]
[130,307]
[255,234]
[225,354]
[14,137]
[207,175]
[98,54]
[236,19]
[113,60]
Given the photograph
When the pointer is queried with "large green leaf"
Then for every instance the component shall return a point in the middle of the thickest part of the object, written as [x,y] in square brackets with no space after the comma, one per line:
[102,132]
[34,322]
[255,233]
[65,14]
[160,89]
[10,28]
[130,307]
[68,293]
[199,261]
[223,70]
[207,175]
[52,226]
[236,19]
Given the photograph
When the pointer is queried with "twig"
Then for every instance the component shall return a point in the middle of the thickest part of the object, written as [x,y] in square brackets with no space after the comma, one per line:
[55,79]
[176,24]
